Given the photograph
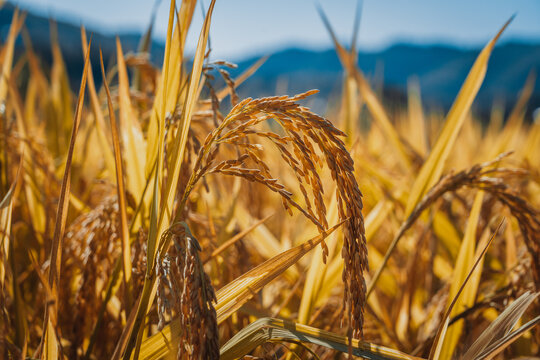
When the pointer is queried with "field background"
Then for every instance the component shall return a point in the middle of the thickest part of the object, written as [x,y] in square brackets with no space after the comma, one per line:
[187,207]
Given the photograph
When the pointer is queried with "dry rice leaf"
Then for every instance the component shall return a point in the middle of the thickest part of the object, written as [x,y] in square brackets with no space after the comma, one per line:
[235,294]
[167,92]
[6,208]
[464,262]
[508,339]
[159,224]
[375,108]
[447,233]
[436,348]
[130,131]
[276,330]
[498,333]
[60,122]
[417,124]
[144,46]
[7,256]
[121,193]
[237,237]
[265,242]
[434,165]
[98,115]
[232,296]
[179,143]
[514,123]
[7,58]
[315,283]
[31,172]
[49,341]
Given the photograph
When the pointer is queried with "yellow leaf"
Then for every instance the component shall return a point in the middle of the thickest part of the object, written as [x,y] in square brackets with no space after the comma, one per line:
[434,165]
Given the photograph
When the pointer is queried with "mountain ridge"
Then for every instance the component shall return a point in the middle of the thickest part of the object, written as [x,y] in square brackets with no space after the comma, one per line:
[439,68]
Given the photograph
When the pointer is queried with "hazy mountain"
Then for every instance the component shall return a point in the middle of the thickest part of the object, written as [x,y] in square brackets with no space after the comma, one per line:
[440,69]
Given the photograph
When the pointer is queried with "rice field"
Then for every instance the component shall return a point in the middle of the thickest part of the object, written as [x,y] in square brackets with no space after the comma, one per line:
[141,220]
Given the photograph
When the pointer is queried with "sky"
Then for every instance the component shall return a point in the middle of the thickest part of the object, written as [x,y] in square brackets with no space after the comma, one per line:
[253,27]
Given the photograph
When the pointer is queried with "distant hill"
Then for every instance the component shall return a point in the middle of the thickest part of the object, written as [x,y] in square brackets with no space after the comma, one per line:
[440,69]
[69,37]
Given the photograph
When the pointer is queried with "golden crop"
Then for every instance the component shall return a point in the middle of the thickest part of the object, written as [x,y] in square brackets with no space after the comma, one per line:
[141,221]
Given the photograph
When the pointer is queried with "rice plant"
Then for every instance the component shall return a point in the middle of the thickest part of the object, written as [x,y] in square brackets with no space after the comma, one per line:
[139,219]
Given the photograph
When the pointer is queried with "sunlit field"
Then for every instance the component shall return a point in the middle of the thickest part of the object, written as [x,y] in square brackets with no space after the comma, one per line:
[159,215]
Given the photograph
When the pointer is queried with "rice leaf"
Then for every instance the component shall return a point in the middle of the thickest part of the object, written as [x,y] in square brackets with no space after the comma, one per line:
[7,53]
[499,331]
[121,194]
[238,237]
[316,273]
[159,224]
[98,114]
[30,172]
[6,209]
[436,348]
[417,124]
[348,60]
[130,131]
[434,165]
[275,330]
[463,263]
[49,340]
[167,93]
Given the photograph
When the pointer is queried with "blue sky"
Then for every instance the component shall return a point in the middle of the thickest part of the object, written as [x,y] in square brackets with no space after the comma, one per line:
[247,27]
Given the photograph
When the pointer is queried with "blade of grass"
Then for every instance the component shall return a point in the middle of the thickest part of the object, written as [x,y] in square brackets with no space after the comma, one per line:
[169,85]
[507,340]
[159,224]
[416,117]
[121,193]
[145,44]
[237,237]
[98,114]
[500,327]
[130,130]
[6,210]
[30,173]
[434,165]
[348,60]
[514,124]
[154,143]
[269,329]
[463,263]
[316,272]
[5,75]
[60,121]
[49,340]
[436,348]
[234,294]
[8,50]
